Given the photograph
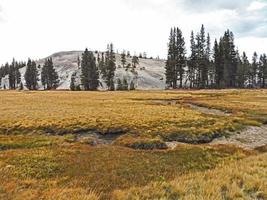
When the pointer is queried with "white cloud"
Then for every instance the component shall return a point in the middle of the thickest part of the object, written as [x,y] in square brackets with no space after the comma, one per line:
[256,5]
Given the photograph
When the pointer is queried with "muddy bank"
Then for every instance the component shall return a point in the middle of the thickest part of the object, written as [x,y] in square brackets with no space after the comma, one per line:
[96,138]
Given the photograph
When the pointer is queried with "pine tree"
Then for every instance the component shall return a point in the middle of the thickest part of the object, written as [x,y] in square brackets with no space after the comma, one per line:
[210,66]
[17,75]
[218,65]
[180,59]
[78,62]
[242,71]
[110,67]
[175,65]
[90,76]
[201,59]
[128,54]
[171,80]
[123,59]
[12,75]
[72,82]
[230,60]
[263,71]
[49,76]
[132,86]
[254,70]
[119,85]
[112,85]
[135,61]
[125,84]
[192,61]
[21,87]
[101,65]
[78,88]
[31,75]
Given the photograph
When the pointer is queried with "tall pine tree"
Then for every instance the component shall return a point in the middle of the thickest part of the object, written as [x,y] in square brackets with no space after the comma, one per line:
[31,75]
[109,67]
[176,62]
[192,61]
[123,59]
[49,76]
[89,76]
[254,70]
[263,71]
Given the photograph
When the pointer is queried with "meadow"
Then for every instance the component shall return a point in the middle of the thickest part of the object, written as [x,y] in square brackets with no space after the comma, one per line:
[41,157]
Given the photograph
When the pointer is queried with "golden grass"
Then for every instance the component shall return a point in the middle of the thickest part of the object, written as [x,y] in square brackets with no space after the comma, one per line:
[137,112]
[34,165]
[74,170]
[245,179]
[250,102]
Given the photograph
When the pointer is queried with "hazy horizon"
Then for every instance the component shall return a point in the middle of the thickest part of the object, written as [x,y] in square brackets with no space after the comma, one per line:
[38,28]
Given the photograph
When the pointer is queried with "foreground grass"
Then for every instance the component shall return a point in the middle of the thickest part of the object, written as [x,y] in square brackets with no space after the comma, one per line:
[245,179]
[75,170]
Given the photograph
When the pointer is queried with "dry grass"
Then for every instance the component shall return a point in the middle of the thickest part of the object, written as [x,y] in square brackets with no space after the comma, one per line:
[252,103]
[137,112]
[34,165]
[245,179]
[74,169]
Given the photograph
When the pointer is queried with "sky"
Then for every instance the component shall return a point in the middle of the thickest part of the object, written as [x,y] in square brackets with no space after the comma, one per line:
[39,28]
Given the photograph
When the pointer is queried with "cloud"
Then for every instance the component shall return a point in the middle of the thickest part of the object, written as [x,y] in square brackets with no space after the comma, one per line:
[208,5]
[1,14]
[244,17]
[136,25]
[256,5]
[252,23]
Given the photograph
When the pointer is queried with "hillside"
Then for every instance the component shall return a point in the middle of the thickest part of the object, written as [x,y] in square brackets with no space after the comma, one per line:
[150,72]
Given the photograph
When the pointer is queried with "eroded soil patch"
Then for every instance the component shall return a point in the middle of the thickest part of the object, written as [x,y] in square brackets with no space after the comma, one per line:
[250,138]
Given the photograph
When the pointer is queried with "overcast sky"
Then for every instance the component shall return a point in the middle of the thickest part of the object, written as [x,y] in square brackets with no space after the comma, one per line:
[38,28]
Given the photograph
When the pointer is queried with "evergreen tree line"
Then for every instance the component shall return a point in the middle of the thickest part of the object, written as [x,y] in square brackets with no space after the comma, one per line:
[13,73]
[220,67]
[49,76]
[104,66]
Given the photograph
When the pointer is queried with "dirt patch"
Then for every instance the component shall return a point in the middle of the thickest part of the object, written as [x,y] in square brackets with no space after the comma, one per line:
[93,138]
[250,138]
[209,111]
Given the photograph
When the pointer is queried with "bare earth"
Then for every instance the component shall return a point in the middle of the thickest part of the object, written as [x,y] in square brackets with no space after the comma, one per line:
[250,138]
[209,111]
